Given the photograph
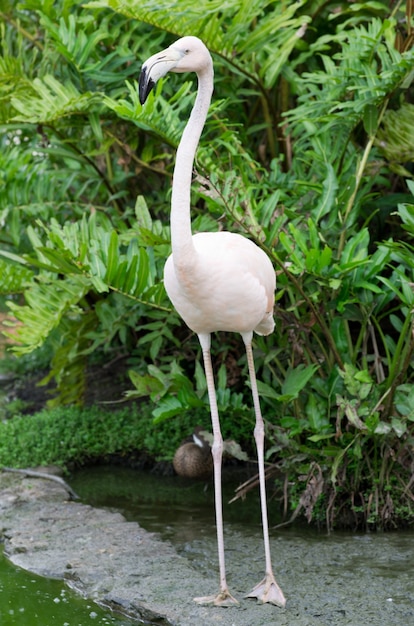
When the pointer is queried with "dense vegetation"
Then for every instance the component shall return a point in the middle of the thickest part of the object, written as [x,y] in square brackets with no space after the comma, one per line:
[77,436]
[308,150]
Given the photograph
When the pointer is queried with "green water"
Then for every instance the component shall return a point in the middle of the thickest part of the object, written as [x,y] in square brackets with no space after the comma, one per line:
[30,600]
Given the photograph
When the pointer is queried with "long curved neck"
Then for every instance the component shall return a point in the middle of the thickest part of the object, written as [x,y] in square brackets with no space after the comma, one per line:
[181,236]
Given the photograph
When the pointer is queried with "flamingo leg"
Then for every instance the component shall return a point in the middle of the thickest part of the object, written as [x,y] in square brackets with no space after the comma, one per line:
[224,597]
[267,590]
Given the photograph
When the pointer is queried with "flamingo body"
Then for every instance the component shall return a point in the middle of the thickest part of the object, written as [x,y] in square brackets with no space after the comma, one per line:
[217,282]
[229,288]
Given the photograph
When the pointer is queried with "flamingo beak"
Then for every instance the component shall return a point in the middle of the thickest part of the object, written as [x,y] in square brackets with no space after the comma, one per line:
[155,68]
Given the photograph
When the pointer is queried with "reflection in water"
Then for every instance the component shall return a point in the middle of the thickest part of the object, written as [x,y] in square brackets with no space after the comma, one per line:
[168,505]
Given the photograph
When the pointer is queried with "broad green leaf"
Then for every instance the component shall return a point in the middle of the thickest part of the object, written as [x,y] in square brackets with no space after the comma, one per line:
[267,391]
[142,213]
[112,258]
[317,438]
[370,119]
[143,271]
[200,378]
[383,428]
[296,379]
[356,248]
[398,426]
[145,384]
[318,420]
[166,408]
[131,275]
[328,196]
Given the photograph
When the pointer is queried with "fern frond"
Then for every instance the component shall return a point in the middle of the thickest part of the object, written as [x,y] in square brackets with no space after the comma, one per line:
[174,16]
[68,366]
[41,182]
[49,100]
[91,250]
[14,278]
[362,75]
[256,37]
[72,41]
[16,56]
[265,48]
[158,116]
[46,304]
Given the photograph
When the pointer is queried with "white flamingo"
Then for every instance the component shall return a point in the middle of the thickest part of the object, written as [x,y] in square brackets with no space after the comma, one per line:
[217,281]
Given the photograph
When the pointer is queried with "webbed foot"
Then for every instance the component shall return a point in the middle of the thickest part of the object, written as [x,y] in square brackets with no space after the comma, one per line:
[223,598]
[268,591]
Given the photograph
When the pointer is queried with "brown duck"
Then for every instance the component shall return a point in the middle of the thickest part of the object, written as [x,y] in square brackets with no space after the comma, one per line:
[193,458]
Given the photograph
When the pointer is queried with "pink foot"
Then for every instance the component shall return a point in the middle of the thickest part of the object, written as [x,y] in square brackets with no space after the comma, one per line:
[223,598]
[268,591]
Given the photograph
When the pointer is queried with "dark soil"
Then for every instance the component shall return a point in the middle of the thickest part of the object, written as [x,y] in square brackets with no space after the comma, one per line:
[104,384]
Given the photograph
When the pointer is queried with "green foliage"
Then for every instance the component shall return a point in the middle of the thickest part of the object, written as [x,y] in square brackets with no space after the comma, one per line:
[395,138]
[13,278]
[307,150]
[68,436]
[226,27]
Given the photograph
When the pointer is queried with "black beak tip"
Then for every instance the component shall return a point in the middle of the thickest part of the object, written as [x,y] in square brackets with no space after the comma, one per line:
[145,85]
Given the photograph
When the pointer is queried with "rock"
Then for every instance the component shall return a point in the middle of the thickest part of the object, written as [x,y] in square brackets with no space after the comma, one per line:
[97,552]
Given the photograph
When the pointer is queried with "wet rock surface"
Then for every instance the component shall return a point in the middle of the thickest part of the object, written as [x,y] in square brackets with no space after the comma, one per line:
[96,552]
[119,565]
